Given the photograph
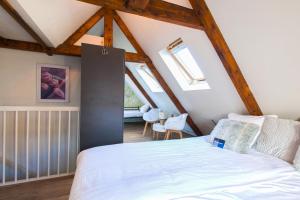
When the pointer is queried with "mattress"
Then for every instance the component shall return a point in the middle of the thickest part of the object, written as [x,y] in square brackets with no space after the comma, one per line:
[132,113]
[181,169]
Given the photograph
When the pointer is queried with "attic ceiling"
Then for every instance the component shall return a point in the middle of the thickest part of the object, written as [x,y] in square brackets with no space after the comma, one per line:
[55,20]
[11,29]
[54,24]
[40,16]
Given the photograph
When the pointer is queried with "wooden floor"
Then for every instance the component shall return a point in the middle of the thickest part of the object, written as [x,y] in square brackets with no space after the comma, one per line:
[52,189]
[59,188]
[133,132]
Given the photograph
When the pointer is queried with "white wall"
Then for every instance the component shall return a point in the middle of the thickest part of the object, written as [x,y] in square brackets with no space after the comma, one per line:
[18,88]
[18,77]
[264,38]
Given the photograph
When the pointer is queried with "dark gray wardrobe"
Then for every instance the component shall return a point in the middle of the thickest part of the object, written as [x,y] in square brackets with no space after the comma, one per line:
[102,96]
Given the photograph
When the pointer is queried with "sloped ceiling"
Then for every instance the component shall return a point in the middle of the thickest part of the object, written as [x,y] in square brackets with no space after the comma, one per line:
[54,19]
[10,29]
[264,38]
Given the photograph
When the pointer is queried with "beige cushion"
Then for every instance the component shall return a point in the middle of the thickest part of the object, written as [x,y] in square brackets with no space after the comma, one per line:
[238,135]
[259,120]
[279,138]
[297,159]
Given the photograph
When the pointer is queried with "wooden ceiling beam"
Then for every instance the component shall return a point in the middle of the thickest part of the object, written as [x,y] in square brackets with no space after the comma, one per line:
[138,85]
[159,78]
[215,36]
[84,28]
[21,45]
[63,50]
[137,4]
[14,14]
[155,9]
[108,28]
[135,57]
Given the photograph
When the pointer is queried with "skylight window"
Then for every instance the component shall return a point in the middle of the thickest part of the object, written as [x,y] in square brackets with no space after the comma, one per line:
[149,79]
[183,66]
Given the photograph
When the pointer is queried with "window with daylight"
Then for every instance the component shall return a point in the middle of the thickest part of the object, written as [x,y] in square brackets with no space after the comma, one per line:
[149,79]
[183,66]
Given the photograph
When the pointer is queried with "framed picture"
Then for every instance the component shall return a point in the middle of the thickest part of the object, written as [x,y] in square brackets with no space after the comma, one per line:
[52,83]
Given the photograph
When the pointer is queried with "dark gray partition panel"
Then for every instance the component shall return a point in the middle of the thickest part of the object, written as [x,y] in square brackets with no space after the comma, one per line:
[102,96]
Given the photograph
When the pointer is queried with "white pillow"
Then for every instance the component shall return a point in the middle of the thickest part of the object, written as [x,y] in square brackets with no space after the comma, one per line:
[238,135]
[297,160]
[144,108]
[279,138]
[259,120]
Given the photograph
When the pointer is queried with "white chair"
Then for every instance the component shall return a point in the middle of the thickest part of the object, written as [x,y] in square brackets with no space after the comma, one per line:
[150,117]
[172,125]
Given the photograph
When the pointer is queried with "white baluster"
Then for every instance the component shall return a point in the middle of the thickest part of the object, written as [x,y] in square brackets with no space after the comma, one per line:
[4,148]
[69,135]
[27,144]
[16,144]
[58,151]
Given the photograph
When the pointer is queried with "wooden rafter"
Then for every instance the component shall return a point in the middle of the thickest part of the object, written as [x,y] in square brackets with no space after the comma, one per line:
[155,9]
[160,79]
[108,27]
[84,28]
[138,85]
[137,4]
[215,36]
[14,14]
[65,50]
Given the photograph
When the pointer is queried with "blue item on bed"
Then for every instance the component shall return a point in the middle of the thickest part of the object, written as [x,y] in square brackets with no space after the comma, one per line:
[219,143]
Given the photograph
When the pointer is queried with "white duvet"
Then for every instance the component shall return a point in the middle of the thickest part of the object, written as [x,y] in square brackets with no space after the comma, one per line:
[181,169]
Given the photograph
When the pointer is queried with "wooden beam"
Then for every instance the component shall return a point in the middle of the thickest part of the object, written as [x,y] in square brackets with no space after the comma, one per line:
[84,28]
[14,14]
[21,45]
[63,50]
[137,4]
[127,33]
[135,57]
[156,9]
[215,36]
[159,78]
[138,85]
[108,28]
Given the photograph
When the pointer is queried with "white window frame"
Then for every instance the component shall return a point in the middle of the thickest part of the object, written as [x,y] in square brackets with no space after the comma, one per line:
[180,68]
[149,79]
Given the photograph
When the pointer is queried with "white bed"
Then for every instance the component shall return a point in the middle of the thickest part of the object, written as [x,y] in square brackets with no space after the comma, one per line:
[132,113]
[181,169]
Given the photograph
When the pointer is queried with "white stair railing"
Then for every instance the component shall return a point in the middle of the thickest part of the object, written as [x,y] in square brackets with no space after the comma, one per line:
[37,142]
